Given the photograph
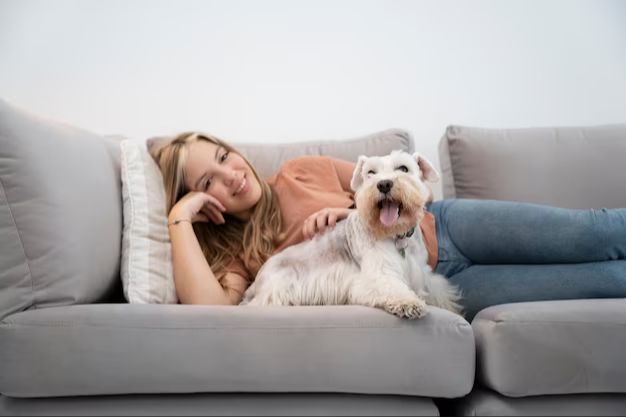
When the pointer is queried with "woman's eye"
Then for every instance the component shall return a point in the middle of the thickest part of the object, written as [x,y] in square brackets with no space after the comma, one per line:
[224,157]
[403,168]
[207,184]
[371,172]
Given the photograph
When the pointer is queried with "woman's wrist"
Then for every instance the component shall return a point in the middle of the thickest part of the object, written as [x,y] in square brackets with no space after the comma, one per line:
[176,218]
[174,222]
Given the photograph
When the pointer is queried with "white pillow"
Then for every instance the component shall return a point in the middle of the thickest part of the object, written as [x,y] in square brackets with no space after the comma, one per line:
[147,275]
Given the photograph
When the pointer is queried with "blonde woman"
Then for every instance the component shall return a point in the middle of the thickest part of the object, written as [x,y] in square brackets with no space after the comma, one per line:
[225,221]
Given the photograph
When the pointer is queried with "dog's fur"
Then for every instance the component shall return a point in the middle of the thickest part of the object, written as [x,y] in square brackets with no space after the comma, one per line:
[365,260]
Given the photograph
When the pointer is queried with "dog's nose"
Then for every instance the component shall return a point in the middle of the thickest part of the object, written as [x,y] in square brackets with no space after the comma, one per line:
[384,186]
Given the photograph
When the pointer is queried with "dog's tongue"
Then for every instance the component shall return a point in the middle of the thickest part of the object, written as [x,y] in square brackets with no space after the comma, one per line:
[389,213]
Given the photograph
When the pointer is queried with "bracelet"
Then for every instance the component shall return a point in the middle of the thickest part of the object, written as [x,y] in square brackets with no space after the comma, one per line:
[175,222]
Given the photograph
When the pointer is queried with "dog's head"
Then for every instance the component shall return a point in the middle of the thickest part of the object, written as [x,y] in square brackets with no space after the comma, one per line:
[390,192]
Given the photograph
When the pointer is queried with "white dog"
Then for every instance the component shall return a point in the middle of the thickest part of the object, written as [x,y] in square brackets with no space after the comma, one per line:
[370,258]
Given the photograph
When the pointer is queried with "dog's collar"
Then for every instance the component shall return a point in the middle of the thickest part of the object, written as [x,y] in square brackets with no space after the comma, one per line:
[407,234]
[402,241]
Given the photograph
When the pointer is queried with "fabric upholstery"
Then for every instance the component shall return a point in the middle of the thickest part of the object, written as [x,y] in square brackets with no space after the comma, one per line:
[482,402]
[552,347]
[164,348]
[223,404]
[268,157]
[146,271]
[572,167]
[60,213]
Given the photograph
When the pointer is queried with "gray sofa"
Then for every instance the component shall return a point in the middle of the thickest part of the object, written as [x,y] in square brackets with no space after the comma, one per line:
[70,345]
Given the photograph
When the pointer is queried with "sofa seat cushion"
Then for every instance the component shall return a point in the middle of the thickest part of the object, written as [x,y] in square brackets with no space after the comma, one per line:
[552,347]
[151,348]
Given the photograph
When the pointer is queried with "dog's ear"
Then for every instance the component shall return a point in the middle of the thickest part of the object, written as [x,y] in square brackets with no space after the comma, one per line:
[357,178]
[429,173]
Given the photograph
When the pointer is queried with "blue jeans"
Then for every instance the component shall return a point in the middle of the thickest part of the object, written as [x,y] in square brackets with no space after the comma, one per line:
[500,251]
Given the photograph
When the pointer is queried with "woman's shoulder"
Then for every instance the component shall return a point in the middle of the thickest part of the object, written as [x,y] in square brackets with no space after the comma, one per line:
[307,160]
[305,164]
[316,168]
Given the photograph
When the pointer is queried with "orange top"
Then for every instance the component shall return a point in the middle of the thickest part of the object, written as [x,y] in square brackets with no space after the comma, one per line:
[308,184]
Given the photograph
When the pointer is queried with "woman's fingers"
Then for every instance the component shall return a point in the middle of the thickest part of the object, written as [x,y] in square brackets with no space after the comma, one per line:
[309,227]
[215,202]
[213,209]
[332,220]
[306,229]
[214,214]
[321,221]
[316,223]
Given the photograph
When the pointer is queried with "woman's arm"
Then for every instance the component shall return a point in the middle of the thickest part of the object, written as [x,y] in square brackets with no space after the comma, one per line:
[193,277]
[194,280]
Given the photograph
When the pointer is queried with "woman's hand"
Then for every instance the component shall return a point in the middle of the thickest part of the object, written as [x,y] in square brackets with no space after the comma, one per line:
[320,221]
[197,206]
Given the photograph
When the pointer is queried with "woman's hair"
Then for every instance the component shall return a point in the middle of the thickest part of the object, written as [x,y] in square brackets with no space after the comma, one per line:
[254,239]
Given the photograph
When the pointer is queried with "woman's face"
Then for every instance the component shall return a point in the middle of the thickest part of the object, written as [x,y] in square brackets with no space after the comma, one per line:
[225,175]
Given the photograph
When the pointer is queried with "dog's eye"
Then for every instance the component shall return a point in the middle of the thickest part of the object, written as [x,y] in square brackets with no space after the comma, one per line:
[371,172]
[403,168]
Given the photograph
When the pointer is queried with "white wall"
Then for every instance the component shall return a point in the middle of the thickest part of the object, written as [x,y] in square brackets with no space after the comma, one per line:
[287,70]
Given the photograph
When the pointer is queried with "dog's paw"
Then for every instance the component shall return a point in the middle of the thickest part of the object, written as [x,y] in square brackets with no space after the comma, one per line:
[409,309]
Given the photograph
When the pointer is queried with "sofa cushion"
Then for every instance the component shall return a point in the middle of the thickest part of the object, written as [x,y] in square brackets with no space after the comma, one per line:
[167,348]
[60,213]
[573,167]
[146,270]
[552,347]
[268,157]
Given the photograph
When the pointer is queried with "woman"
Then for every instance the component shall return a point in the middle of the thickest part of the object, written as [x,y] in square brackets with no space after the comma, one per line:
[225,221]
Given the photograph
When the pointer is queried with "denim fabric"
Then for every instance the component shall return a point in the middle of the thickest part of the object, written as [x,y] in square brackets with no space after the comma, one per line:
[501,251]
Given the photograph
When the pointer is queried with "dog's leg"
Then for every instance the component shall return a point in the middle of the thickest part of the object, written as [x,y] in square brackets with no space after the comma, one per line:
[388,293]
[379,285]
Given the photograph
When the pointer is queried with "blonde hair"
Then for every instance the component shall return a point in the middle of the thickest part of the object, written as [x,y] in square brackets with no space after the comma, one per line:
[254,239]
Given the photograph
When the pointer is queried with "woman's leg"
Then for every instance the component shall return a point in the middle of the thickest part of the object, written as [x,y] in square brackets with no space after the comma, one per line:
[501,232]
[486,285]
[499,252]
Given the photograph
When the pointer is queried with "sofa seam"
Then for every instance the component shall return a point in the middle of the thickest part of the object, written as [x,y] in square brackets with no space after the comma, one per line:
[9,325]
[132,224]
[32,284]
[551,322]
[450,166]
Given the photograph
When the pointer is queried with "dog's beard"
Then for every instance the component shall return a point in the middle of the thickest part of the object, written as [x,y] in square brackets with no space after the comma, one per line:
[391,214]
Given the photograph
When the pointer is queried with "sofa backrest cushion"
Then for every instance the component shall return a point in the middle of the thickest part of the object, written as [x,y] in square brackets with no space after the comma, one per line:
[60,213]
[267,157]
[572,167]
